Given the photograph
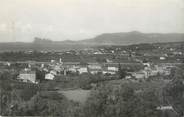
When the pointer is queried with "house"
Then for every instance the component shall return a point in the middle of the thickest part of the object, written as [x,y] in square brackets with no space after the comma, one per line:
[52,61]
[140,74]
[109,61]
[147,64]
[42,65]
[129,76]
[164,69]
[167,72]
[82,70]
[160,69]
[162,58]
[109,69]
[94,69]
[49,76]
[109,72]
[95,66]
[73,68]
[7,63]
[97,52]
[27,76]
[112,69]
[154,73]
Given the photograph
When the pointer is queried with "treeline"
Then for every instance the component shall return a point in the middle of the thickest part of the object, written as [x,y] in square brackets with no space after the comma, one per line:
[22,56]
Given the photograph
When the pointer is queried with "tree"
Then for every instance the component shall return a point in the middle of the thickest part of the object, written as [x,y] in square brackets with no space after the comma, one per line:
[101,60]
[40,75]
[44,104]
[175,90]
[108,101]
[122,72]
[28,92]
[5,95]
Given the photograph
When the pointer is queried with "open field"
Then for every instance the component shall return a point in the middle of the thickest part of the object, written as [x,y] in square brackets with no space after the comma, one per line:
[77,95]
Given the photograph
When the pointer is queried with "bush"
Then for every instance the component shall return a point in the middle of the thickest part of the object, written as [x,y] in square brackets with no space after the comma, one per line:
[107,101]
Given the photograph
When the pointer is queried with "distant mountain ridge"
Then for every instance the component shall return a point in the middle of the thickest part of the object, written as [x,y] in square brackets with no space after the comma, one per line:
[122,38]
[134,37]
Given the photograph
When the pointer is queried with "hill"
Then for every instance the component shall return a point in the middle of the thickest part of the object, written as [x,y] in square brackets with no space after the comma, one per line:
[135,37]
[122,38]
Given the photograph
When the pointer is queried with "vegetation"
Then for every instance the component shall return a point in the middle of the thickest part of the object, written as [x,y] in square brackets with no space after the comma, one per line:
[107,101]
[112,98]
[175,90]
[45,104]
[19,99]
[122,72]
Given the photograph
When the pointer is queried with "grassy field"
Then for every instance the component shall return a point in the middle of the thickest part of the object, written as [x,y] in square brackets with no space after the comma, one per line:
[77,95]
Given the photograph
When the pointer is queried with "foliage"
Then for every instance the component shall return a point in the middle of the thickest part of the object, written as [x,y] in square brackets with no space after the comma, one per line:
[45,104]
[101,60]
[175,89]
[40,75]
[122,72]
[5,96]
[115,102]
[10,93]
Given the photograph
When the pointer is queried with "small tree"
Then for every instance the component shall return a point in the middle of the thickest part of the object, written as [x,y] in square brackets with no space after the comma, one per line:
[122,72]
[40,75]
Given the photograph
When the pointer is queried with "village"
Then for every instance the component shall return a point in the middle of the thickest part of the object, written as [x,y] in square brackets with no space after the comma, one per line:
[75,74]
[137,62]
[55,69]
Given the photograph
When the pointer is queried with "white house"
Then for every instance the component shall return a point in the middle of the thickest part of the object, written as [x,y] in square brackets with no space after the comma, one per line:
[109,61]
[147,64]
[128,77]
[27,76]
[154,72]
[72,69]
[82,70]
[98,52]
[49,76]
[160,69]
[108,72]
[52,61]
[7,63]
[165,70]
[42,65]
[94,71]
[139,75]
[95,67]
[162,58]
[112,68]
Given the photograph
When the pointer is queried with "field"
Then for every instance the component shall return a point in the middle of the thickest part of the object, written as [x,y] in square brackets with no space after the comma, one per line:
[77,95]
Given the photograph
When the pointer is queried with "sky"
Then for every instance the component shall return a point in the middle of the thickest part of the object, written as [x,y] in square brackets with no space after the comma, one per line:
[22,20]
